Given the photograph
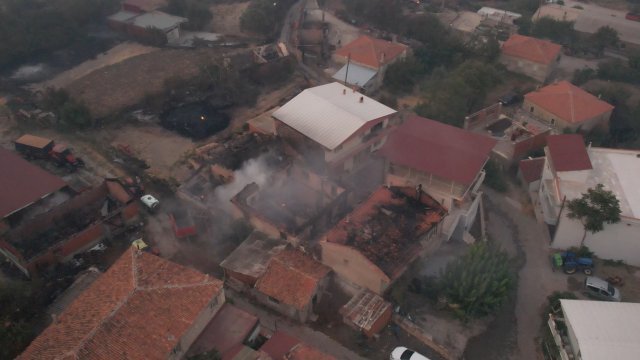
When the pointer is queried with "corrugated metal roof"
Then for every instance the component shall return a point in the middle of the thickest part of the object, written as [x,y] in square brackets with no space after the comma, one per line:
[329,117]
[157,19]
[357,75]
[122,16]
[605,330]
[365,308]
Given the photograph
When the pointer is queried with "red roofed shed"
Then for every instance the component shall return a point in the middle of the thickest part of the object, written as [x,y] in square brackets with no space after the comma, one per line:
[568,153]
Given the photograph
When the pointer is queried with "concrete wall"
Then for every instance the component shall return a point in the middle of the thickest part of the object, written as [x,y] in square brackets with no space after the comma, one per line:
[198,325]
[573,340]
[290,311]
[535,70]
[601,121]
[245,279]
[483,116]
[379,324]
[523,147]
[616,241]
[353,266]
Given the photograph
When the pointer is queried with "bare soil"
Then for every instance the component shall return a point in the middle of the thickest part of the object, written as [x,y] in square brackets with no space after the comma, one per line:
[226,20]
[118,86]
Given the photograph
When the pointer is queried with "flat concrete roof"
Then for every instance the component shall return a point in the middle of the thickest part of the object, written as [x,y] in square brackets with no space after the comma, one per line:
[252,256]
[467,22]
[618,171]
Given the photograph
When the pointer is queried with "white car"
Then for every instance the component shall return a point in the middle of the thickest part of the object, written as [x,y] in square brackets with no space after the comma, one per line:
[150,202]
[402,353]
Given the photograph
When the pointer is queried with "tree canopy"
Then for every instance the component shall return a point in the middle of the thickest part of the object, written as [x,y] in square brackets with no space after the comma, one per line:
[401,76]
[196,11]
[263,15]
[479,282]
[595,208]
[604,36]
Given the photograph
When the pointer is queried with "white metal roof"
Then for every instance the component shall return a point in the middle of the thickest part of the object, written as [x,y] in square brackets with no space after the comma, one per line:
[357,75]
[605,330]
[157,19]
[329,117]
[122,16]
[490,11]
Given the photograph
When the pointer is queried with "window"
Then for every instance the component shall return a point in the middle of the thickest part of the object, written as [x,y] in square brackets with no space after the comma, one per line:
[338,148]
[334,190]
[305,174]
[520,63]
[213,303]
[275,301]
[553,121]
[531,109]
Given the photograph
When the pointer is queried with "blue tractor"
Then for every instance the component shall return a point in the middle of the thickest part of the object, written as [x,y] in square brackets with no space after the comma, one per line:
[570,263]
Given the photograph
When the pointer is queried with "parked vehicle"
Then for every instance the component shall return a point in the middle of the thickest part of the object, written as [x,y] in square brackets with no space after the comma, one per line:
[634,17]
[36,147]
[402,353]
[571,263]
[152,203]
[509,99]
[600,289]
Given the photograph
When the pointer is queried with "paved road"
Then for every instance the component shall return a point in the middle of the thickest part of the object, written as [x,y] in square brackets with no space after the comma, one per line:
[594,17]
[309,336]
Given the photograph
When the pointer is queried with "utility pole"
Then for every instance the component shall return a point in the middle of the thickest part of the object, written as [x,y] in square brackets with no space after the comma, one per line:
[346,73]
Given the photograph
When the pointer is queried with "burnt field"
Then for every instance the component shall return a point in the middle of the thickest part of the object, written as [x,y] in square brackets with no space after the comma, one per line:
[198,120]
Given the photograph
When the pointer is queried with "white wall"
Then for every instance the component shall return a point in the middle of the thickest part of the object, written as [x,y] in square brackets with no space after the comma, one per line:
[617,242]
[577,176]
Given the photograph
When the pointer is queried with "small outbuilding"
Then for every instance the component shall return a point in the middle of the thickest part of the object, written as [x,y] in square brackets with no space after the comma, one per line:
[182,222]
[367,311]
[530,173]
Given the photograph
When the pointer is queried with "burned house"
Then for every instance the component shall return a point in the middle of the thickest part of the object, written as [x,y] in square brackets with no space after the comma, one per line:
[366,311]
[374,245]
[70,228]
[294,206]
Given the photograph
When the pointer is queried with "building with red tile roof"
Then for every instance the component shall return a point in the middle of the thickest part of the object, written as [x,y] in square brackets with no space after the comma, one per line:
[568,153]
[281,346]
[373,245]
[530,56]
[143,307]
[447,161]
[292,283]
[368,60]
[530,172]
[567,106]
[22,184]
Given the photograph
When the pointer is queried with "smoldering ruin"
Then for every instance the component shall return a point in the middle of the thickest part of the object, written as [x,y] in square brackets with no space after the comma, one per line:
[198,120]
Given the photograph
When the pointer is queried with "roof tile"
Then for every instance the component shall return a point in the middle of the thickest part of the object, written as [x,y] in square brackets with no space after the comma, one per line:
[369,51]
[531,49]
[531,169]
[568,152]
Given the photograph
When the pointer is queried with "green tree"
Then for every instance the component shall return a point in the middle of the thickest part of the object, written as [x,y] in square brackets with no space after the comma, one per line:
[490,49]
[558,31]
[262,16]
[155,36]
[54,99]
[624,124]
[634,61]
[426,28]
[15,336]
[479,282]
[494,177]
[595,208]
[76,113]
[401,76]
[209,355]
[581,77]
[389,100]
[604,36]
[199,16]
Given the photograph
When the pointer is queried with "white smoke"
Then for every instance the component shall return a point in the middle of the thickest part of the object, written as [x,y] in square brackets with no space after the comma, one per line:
[252,170]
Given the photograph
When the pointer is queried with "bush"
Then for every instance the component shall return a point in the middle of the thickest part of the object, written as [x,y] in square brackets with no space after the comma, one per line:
[76,114]
[401,76]
[196,11]
[54,98]
[583,252]
[494,177]
[581,77]
[389,100]
[261,16]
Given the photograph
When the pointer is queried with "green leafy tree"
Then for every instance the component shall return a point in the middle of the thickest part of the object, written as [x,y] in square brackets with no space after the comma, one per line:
[594,209]
[634,61]
[401,76]
[604,36]
[262,16]
[76,113]
[199,16]
[480,282]
[54,99]
[494,177]
[624,124]
[426,28]
[389,100]
[558,31]
[582,76]
[490,49]
[209,355]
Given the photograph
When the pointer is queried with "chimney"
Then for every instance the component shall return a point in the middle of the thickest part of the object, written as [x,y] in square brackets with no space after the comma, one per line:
[394,39]
[537,87]
[354,89]
[55,319]
[344,91]
[361,99]
[382,58]
[599,96]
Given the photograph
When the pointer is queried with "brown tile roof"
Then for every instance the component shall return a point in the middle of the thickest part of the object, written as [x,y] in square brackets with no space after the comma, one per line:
[531,169]
[438,148]
[531,49]
[139,309]
[391,242]
[23,183]
[367,50]
[365,308]
[291,277]
[568,152]
[569,102]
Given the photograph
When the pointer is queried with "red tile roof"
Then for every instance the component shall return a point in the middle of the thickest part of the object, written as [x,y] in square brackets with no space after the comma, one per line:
[291,277]
[279,344]
[531,169]
[23,183]
[138,309]
[568,153]
[228,328]
[569,102]
[439,149]
[304,352]
[365,308]
[390,242]
[531,49]
[369,51]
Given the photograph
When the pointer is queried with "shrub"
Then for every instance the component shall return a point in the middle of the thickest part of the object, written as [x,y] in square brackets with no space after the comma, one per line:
[389,100]
[76,114]
[495,178]
[583,252]
[581,77]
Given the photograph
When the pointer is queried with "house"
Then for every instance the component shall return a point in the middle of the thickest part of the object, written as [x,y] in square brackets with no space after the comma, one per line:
[334,127]
[143,307]
[498,13]
[292,284]
[230,327]
[294,205]
[72,227]
[282,346]
[565,105]
[24,186]
[446,161]
[571,169]
[530,56]
[556,12]
[366,60]
[374,245]
[248,262]
[530,173]
[136,20]
[366,311]
[595,330]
